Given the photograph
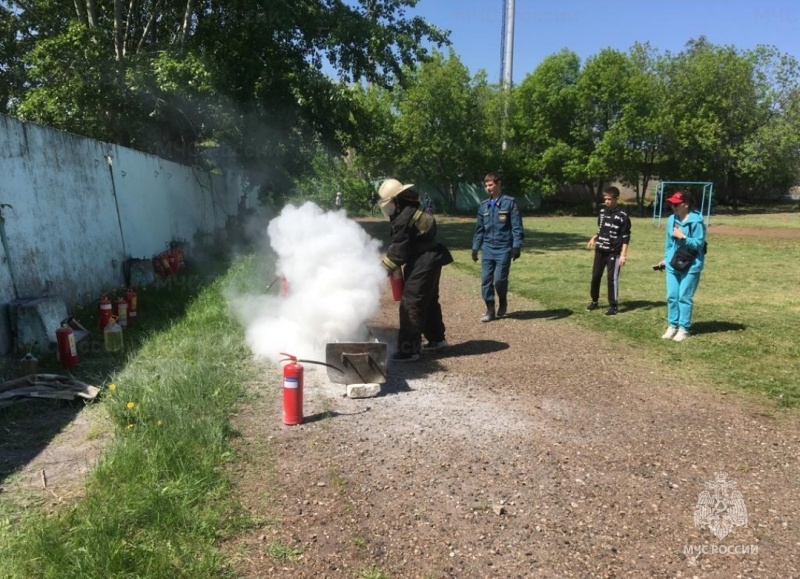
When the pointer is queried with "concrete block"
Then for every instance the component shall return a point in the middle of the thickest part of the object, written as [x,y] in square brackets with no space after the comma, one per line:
[363,390]
[34,322]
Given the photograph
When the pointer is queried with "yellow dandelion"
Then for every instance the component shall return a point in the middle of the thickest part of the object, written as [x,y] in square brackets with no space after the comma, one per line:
[131,405]
[158,423]
[130,426]
[112,386]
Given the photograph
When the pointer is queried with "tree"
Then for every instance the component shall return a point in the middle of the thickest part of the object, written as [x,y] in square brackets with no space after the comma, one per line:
[11,67]
[177,77]
[543,152]
[639,134]
[440,124]
[603,95]
[730,116]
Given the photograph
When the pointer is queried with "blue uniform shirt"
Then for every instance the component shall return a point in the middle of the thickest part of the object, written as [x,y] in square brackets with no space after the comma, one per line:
[498,227]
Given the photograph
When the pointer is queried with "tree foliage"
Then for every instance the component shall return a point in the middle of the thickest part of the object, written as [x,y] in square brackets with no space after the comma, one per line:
[290,92]
[176,77]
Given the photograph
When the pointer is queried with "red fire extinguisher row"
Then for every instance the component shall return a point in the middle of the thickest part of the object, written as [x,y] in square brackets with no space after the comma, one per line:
[121,311]
[67,352]
[104,315]
[292,391]
[131,298]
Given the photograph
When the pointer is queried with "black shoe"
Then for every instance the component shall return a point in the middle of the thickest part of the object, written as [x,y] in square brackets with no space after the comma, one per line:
[401,357]
[612,311]
[502,309]
[591,307]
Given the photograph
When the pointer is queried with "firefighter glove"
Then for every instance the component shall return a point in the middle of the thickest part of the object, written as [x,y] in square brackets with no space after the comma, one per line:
[515,253]
[474,255]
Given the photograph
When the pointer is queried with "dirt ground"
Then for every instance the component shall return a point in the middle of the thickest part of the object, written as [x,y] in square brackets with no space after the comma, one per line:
[529,448]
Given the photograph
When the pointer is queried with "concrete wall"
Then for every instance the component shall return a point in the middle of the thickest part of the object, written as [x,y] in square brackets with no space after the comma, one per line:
[76,209]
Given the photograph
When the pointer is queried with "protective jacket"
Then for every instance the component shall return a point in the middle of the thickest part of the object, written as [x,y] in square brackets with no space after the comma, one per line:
[415,249]
[413,234]
[498,228]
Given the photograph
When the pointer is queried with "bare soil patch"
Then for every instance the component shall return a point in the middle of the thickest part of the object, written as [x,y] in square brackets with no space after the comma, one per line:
[530,448]
[754,232]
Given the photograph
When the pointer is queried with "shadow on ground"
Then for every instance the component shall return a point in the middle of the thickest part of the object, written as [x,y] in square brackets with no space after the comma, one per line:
[28,426]
[641,305]
[540,314]
[715,327]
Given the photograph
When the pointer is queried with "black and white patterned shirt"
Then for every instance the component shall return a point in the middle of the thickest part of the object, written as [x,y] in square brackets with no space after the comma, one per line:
[613,230]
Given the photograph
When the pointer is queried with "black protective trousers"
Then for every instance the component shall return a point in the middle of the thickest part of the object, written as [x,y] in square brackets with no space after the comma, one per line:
[605,261]
[420,310]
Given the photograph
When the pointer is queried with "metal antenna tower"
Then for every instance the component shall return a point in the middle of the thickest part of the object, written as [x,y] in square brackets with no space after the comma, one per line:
[506,61]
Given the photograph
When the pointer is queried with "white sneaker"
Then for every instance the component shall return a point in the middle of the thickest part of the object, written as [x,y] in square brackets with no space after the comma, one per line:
[680,335]
[435,345]
[670,333]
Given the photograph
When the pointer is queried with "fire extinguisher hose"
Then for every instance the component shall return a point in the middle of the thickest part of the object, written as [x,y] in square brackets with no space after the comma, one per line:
[290,358]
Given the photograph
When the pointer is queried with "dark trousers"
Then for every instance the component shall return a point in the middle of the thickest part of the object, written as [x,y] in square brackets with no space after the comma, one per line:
[420,310]
[605,261]
[495,268]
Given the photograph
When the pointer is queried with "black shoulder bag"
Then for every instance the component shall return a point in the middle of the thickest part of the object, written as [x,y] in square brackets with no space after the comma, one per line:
[683,259]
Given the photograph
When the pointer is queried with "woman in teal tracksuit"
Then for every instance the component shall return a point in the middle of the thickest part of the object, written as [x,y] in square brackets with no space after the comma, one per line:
[685,230]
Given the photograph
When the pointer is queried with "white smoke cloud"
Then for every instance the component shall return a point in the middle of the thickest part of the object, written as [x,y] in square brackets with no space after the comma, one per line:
[335,280]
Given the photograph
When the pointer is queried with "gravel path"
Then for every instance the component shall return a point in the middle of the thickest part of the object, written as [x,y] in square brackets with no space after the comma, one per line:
[529,448]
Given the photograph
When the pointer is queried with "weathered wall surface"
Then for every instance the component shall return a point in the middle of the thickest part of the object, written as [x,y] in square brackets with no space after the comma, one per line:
[76,209]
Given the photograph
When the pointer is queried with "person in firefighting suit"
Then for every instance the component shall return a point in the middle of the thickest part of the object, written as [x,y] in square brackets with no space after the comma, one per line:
[414,250]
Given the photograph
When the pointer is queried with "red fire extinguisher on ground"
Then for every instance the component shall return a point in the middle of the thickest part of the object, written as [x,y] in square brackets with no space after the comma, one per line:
[67,352]
[121,311]
[292,391]
[132,299]
[104,312]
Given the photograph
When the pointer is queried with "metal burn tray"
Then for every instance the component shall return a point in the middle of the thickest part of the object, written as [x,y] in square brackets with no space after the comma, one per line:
[356,362]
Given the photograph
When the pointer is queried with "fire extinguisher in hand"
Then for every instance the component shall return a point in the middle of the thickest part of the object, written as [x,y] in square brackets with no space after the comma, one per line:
[396,281]
[292,390]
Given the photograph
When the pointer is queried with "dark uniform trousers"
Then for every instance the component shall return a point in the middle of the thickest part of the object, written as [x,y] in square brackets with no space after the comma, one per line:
[420,310]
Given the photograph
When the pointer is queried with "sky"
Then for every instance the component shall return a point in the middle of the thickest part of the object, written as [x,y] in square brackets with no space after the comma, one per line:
[544,27]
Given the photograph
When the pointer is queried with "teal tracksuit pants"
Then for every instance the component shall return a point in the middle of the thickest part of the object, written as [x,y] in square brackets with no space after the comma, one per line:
[680,298]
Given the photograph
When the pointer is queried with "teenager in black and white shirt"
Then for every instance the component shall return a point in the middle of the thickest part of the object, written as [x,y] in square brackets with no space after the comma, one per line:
[610,245]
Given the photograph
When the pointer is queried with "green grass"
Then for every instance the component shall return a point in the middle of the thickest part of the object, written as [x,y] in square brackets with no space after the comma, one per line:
[776,221]
[747,308]
[158,502]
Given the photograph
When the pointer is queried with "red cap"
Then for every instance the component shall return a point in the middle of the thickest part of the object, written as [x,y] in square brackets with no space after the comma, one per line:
[677,198]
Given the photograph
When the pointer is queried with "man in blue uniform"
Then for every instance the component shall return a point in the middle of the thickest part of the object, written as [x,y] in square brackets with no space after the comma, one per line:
[499,235]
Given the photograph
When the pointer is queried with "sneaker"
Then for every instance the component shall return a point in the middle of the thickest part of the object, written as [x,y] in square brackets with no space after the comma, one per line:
[488,317]
[401,357]
[670,333]
[435,345]
[680,335]
[612,311]
[591,307]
